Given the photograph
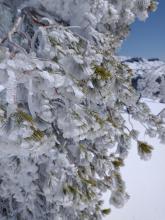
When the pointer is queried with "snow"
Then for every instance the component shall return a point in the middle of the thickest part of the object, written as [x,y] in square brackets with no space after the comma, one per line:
[145,181]
[145,184]
[149,76]
[156,67]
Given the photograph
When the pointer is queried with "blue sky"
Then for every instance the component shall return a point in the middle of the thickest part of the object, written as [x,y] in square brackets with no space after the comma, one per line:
[147,39]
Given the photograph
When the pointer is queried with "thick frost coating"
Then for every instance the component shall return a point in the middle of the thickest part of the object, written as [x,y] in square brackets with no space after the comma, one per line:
[94,18]
[62,98]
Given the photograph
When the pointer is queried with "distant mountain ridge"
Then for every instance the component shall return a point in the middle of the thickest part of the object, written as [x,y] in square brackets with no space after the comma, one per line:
[149,76]
[140,59]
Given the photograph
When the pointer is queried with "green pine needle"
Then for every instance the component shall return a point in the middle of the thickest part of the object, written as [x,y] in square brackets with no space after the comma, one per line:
[106,211]
[144,148]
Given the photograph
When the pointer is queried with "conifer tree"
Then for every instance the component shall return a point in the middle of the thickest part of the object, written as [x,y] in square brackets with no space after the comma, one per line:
[63,97]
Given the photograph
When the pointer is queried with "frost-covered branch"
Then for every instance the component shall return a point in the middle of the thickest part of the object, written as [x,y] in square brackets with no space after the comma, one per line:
[62,97]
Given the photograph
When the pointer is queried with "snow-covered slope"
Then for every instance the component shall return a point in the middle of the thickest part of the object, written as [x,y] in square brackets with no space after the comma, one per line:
[149,77]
